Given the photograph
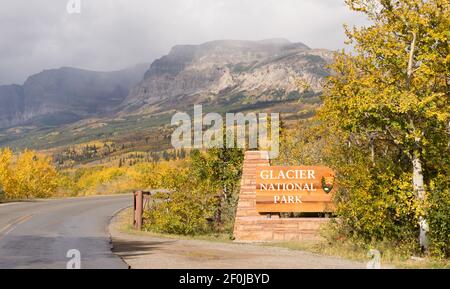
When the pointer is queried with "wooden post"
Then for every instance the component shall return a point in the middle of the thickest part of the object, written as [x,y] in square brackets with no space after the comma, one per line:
[138,209]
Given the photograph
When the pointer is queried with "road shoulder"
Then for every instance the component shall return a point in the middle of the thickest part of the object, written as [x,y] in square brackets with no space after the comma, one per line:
[147,251]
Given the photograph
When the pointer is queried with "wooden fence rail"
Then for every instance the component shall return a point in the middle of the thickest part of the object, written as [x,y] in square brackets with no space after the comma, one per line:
[141,200]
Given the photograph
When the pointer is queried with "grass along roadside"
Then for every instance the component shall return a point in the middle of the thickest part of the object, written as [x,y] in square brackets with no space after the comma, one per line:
[389,257]
[125,225]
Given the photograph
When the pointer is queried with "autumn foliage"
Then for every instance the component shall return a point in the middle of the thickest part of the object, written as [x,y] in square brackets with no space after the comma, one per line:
[27,175]
[387,112]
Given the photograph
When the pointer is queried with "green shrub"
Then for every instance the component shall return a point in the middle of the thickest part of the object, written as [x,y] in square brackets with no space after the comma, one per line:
[203,196]
[439,217]
[377,205]
[185,213]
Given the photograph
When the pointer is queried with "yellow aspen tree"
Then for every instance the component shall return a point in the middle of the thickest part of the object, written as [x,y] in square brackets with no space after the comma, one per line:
[5,160]
[30,175]
[395,87]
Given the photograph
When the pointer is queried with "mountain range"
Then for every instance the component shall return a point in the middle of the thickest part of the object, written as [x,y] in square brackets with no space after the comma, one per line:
[223,75]
[220,72]
[65,95]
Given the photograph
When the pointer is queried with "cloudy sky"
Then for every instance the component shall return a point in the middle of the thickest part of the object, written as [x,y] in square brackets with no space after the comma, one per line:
[114,34]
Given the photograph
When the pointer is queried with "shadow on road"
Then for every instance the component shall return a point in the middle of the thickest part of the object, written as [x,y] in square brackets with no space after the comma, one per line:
[137,248]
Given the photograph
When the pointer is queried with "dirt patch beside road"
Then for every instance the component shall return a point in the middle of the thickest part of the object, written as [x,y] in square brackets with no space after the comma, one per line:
[147,251]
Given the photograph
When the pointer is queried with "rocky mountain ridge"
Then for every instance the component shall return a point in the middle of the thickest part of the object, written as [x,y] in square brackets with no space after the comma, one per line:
[217,73]
[228,71]
[60,96]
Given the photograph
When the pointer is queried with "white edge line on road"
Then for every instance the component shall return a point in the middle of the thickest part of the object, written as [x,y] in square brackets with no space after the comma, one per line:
[8,204]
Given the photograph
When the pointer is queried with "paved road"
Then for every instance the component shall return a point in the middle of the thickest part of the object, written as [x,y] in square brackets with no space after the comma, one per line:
[39,234]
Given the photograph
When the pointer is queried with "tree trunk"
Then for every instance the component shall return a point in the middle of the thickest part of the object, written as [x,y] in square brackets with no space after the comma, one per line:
[418,183]
[372,149]
[409,72]
[419,190]
[448,134]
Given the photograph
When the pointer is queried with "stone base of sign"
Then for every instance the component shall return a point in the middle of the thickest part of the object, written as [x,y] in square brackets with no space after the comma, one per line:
[250,226]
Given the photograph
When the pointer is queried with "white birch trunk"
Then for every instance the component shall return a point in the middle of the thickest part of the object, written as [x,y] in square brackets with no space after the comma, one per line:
[418,182]
[419,189]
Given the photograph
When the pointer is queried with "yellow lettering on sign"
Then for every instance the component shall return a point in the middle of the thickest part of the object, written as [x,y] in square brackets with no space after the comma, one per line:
[295,189]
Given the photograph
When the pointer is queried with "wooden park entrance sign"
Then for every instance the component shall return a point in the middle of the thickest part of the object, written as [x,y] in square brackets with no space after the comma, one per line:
[268,190]
[294,189]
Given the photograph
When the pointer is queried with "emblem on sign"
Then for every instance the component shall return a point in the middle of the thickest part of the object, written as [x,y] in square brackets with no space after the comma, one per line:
[327,183]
